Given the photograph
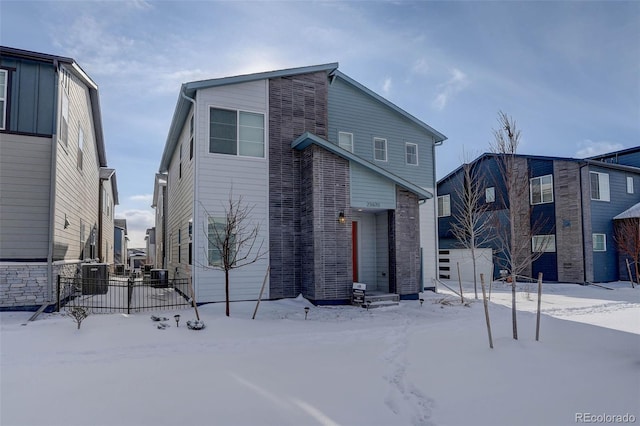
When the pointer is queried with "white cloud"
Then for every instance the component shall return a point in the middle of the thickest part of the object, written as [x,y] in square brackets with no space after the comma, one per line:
[138,221]
[386,86]
[589,148]
[458,82]
[142,197]
[420,67]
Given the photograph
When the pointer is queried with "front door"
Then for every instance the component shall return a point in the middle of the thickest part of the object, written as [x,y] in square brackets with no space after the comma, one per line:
[354,252]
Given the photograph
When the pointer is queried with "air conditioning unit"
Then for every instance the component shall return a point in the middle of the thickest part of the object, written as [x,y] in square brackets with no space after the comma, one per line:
[159,278]
[95,278]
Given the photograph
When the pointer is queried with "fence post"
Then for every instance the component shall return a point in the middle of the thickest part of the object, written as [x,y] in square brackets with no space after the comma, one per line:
[130,282]
[58,293]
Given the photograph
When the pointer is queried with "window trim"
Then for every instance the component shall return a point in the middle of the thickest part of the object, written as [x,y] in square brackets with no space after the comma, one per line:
[604,191]
[406,154]
[191,134]
[223,223]
[3,97]
[442,212]
[630,185]
[350,149]
[493,194]
[80,159]
[542,190]
[604,242]
[238,113]
[375,150]
[63,133]
[538,240]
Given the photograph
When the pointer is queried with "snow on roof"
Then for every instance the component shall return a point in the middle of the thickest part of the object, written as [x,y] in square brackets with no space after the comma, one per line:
[630,213]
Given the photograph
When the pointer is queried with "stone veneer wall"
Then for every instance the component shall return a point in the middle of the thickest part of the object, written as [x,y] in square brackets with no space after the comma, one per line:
[23,285]
[296,104]
[404,244]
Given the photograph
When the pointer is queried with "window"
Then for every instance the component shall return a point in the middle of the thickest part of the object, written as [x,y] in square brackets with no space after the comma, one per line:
[191,138]
[179,245]
[345,140]
[236,133]
[83,238]
[64,122]
[599,186]
[380,149]
[541,189]
[599,242]
[217,237]
[411,151]
[543,243]
[190,239]
[444,205]
[4,76]
[80,146]
[180,164]
[490,194]
[629,185]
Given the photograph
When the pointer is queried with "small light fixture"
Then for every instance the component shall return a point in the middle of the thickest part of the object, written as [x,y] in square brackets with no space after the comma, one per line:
[368,304]
[341,218]
[421,302]
[306,312]
[177,318]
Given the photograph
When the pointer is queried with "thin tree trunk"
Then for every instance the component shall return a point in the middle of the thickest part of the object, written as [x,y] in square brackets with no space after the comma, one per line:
[460,283]
[539,302]
[629,272]
[514,319]
[226,289]
[486,310]
[475,280]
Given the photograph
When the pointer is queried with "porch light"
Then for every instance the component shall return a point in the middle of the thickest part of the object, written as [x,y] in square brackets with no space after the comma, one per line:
[341,218]
[306,312]
[421,302]
[177,318]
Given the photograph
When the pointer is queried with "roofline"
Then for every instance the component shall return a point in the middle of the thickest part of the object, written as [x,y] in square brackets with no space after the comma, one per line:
[307,138]
[188,90]
[439,137]
[614,153]
[156,184]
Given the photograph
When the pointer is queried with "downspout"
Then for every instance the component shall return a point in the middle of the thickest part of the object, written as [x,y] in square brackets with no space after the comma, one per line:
[582,207]
[194,180]
[52,183]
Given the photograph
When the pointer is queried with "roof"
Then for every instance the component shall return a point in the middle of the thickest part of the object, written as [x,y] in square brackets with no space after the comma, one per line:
[632,150]
[188,90]
[307,138]
[160,180]
[79,73]
[120,223]
[110,175]
[439,137]
[632,213]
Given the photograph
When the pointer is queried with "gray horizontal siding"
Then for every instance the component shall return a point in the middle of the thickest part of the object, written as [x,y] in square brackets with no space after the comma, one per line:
[25,164]
[370,190]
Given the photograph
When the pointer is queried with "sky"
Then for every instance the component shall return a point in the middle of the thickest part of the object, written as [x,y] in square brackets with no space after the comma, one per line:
[567,72]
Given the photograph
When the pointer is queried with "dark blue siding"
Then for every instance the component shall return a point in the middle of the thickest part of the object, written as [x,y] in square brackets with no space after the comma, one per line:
[548,265]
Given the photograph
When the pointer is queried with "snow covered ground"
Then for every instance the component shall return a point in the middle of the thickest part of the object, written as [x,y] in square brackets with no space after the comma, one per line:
[402,365]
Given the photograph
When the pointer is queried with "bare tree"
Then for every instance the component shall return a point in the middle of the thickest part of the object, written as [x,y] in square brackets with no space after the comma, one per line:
[469,225]
[627,238]
[515,230]
[233,240]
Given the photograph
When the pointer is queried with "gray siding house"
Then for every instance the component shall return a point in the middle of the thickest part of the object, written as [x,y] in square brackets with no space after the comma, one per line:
[58,195]
[340,180]
[573,201]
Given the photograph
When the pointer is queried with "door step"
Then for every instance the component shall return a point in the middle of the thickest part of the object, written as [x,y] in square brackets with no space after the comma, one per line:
[380,300]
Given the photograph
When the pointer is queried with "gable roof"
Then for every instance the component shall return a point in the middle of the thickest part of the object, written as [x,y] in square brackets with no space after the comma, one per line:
[110,174]
[120,223]
[73,67]
[188,90]
[307,138]
[631,213]
[438,137]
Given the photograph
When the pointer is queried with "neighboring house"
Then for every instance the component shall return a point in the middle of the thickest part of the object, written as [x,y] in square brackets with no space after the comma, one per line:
[57,192]
[625,157]
[340,180]
[120,242]
[160,205]
[137,259]
[622,223]
[150,239]
[574,201]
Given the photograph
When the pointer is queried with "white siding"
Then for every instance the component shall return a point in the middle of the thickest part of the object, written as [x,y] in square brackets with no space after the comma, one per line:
[219,175]
[382,251]
[429,240]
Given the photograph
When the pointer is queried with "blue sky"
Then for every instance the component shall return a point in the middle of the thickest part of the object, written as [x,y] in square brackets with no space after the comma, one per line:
[567,72]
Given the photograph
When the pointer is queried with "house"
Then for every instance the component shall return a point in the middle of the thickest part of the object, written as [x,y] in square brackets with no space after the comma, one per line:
[150,241]
[58,194]
[160,205]
[573,202]
[120,241]
[625,157]
[339,179]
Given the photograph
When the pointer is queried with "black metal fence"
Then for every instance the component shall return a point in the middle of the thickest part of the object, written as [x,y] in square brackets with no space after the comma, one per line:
[122,294]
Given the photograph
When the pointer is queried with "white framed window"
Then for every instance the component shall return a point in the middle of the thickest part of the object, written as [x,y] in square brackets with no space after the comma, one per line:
[191,138]
[80,145]
[490,194]
[543,243]
[234,132]
[541,189]
[345,141]
[444,205]
[599,186]
[629,185]
[599,242]
[64,119]
[4,83]
[179,245]
[216,237]
[380,149]
[411,153]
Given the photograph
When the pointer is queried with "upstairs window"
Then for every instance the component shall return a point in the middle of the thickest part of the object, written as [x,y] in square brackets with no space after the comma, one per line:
[599,186]
[411,153]
[345,141]
[80,145]
[236,133]
[4,76]
[380,149]
[629,185]
[444,205]
[191,138]
[543,243]
[490,194]
[541,189]
[64,119]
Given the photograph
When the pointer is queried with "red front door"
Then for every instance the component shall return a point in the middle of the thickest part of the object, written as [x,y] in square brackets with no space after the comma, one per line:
[354,252]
